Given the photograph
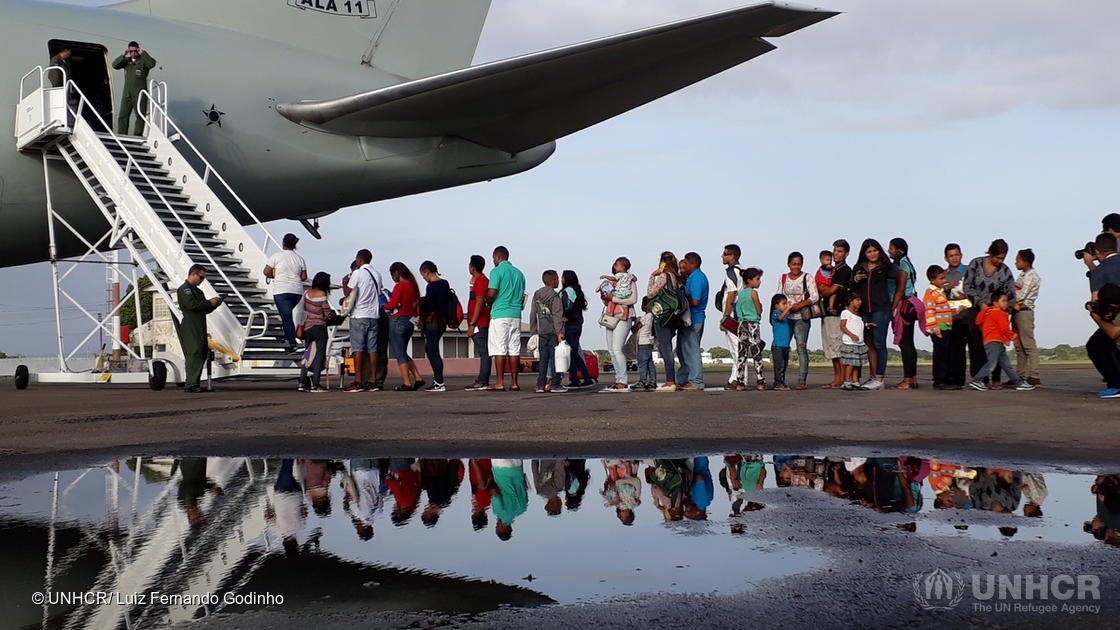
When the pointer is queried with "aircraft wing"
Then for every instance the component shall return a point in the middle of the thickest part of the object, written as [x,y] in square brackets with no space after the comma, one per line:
[519,103]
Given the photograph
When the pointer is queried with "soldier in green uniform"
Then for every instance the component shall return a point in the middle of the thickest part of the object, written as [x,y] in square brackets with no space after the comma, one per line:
[136,63]
[192,330]
[61,60]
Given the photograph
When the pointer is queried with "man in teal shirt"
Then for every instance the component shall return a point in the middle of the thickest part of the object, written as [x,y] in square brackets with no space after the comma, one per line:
[509,496]
[506,297]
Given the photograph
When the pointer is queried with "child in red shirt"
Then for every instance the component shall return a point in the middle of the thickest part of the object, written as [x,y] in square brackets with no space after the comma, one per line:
[995,324]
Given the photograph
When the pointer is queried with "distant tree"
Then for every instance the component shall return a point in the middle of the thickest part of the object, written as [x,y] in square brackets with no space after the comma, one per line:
[604,356]
[3,355]
[128,305]
[719,352]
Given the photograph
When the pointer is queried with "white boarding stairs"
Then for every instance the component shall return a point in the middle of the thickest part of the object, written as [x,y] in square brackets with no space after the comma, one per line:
[166,210]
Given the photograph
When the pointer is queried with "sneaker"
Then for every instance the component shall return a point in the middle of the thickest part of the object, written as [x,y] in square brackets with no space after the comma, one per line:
[849,387]
[1024,386]
[376,387]
[355,388]
[781,388]
[419,385]
[301,388]
[667,387]
[574,386]
[689,387]
[539,390]
[978,386]
[437,387]
[318,390]
[732,386]
[475,387]
[559,389]
[587,383]
[873,385]
[1111,392]
[1034,381]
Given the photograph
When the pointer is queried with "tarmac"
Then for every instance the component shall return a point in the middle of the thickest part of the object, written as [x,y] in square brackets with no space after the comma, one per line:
[1062,423]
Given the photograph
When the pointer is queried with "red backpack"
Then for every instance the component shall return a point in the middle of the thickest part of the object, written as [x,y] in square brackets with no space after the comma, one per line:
[454,311]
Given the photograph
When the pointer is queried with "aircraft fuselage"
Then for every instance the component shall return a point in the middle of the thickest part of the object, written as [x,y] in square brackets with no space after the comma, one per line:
[280,169]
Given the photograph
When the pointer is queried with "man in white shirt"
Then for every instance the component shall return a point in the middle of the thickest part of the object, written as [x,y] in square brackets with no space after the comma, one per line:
[364,319]
[288,272]
[732,283]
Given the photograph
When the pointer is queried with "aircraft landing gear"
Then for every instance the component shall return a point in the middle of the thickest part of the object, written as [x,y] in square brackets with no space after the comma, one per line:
[22,377]
[157,378]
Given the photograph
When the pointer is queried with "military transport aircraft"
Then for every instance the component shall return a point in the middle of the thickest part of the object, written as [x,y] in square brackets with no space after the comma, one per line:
[309,106]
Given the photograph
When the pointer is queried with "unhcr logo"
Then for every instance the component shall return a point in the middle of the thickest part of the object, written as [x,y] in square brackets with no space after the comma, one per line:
[1037,594]
[939,590]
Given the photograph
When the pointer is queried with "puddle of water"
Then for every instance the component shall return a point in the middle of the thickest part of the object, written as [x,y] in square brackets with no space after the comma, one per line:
[472,535]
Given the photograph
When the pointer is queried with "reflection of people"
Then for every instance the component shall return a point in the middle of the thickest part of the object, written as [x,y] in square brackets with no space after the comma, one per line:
[440,478]
[622,489]
[741,474]
[509,495]
[316,476]
[1105,526]
[576,478]
[136,63]
[404,481]
[192,486]
[362,498]
[996,490]
[548,481]
[286,511]
[482,478]
[60,60]
[700,490]
[1035,492]
[192,329]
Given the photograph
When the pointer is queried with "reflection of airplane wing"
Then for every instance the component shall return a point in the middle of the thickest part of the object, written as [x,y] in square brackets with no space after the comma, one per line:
[520,103]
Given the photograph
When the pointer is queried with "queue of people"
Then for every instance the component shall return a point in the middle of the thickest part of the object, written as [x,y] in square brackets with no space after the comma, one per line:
[970,311]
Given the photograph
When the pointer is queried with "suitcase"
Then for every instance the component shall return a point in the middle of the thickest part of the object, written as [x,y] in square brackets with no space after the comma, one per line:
[592,362]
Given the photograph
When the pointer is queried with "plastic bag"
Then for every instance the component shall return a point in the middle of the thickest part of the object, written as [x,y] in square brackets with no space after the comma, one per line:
[563,357]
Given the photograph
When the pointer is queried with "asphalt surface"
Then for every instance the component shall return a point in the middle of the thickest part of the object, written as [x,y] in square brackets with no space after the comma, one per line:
[1062,423]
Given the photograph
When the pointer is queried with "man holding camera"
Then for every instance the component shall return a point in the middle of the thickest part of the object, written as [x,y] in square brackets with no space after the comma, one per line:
[1110,224]
[136,63]
[1107,270]
[1104,346]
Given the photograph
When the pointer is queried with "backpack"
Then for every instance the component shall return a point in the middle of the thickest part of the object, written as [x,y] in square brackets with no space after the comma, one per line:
[670,307]
[454,310]
[734,274]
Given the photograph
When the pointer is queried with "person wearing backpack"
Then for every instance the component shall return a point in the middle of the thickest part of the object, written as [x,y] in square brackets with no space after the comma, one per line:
[905,315]
[435,307]
[666,278]
[691,333]
[478,322]
[725,300]
[546,320]
[802,294]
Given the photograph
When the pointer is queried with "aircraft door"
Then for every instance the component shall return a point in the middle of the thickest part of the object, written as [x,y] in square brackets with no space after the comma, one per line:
[89,69]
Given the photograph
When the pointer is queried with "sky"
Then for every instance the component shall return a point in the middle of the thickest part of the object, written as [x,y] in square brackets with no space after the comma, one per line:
[936,122]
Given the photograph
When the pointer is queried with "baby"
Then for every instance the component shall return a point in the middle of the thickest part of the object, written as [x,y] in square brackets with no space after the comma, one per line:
[824,277]
[620,285]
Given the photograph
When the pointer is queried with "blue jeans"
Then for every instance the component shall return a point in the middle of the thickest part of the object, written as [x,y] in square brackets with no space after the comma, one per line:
[285,304]
[546,345]
[801,328]
[647,371]
[997,357]
[482,349]
[881,321]
[664,338]
[400,338]
[432,334]
[779,356]
[688,351]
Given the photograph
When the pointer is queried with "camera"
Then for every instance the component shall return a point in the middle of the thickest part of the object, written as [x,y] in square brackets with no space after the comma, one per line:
[1090,248]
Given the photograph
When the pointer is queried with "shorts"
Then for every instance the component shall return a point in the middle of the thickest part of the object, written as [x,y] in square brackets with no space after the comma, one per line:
[831,337]
[363,334]
[853,355]
[504,337]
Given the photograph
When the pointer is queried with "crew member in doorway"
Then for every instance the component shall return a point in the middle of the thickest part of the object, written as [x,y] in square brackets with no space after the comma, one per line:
[136,63]
[60,60]
[192,330]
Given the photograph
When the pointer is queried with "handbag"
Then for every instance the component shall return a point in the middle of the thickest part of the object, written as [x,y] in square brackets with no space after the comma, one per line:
[814,310]
[729,324]
[610,322]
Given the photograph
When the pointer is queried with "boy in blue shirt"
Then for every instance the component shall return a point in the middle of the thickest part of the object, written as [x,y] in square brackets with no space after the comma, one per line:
[783,334]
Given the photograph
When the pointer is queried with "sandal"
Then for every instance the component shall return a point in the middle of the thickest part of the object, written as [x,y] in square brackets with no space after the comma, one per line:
[761,387]
[904,385]
[801,387]
[514,388]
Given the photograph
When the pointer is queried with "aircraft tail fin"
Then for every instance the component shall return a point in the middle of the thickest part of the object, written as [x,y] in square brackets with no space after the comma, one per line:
[409,38]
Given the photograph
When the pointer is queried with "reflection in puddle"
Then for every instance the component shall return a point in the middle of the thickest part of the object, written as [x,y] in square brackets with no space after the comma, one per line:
[467,536]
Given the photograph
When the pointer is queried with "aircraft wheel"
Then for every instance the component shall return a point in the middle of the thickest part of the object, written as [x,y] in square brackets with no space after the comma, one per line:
[157,378]
[23,377]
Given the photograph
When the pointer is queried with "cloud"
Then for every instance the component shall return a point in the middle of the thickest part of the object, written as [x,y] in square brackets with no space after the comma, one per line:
[891,65]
